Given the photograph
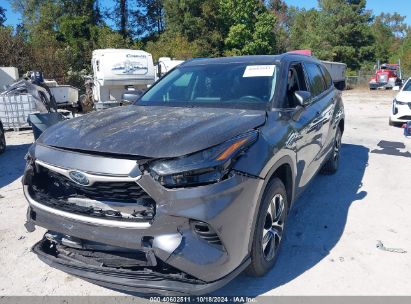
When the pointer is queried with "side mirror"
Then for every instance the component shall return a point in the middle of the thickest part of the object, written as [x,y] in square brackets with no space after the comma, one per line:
[303,97]
[130,97]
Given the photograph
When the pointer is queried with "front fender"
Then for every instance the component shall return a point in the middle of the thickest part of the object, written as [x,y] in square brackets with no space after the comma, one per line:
[275,147]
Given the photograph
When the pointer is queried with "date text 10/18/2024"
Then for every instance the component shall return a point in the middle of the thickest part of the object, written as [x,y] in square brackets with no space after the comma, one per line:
[205,299]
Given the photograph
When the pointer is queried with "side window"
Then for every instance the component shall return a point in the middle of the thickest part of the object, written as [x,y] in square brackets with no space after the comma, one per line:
[316,79]
[178,91]
[327,77]
[296,82]
[184,80]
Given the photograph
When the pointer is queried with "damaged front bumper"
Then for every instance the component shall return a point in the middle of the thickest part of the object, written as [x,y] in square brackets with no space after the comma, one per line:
[196,240]
[145,280]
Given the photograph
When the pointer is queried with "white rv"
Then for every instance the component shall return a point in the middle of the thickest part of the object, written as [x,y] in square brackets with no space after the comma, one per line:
[165,65]
[118,70]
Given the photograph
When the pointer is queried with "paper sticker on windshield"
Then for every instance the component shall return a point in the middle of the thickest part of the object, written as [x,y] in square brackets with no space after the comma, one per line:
[259,71]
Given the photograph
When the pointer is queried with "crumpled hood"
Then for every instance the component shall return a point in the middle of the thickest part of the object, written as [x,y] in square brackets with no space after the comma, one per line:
[151,131]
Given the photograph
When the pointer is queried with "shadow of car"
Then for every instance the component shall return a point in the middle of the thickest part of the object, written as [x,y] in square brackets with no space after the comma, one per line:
[12,163]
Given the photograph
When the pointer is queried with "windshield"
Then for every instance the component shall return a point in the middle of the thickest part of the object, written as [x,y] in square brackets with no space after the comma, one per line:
[233,85]
[407,86]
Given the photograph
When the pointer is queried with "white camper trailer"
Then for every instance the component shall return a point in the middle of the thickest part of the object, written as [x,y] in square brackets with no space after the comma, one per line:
[165,65]
[118,70]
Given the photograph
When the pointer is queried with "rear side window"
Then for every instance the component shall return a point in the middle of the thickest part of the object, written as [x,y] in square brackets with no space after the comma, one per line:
[316,79]
[327,77]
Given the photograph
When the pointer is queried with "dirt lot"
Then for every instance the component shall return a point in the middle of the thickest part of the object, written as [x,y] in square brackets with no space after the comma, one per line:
[330,246]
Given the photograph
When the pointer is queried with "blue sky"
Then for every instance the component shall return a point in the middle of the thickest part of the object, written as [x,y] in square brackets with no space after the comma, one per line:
[378,6]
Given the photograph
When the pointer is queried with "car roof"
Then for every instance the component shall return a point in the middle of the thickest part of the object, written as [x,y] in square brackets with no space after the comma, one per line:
[250,59]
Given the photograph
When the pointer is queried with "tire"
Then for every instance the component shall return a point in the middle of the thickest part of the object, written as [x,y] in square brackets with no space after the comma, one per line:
[332,164]
[340,85]
[269,229]
[2,140]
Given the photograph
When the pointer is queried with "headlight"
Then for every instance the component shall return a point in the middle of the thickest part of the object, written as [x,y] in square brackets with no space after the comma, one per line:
[204,167]
[394,107]
[29,168]
[400,102]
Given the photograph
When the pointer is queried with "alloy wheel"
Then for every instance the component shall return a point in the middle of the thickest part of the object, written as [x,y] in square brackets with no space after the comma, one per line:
[273,227]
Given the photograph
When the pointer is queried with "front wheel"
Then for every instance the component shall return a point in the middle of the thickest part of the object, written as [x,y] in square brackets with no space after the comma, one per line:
[331,166]
[269,229]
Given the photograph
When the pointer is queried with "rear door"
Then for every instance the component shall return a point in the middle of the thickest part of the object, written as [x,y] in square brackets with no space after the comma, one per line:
[327,107]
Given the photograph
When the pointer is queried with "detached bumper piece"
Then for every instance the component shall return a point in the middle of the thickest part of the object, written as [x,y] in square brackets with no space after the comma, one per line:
[125,270]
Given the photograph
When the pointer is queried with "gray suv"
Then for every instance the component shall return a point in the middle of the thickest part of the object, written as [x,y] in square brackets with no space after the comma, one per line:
[192,184]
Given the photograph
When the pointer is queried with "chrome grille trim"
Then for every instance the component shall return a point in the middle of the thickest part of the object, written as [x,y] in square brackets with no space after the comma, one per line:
[91,177]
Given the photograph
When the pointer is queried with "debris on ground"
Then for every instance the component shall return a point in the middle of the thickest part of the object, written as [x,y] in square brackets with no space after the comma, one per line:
[381,246]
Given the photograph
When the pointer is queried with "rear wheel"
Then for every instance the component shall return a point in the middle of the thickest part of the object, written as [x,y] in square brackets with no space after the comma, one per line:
[269,229]
[2,140]
[331,166]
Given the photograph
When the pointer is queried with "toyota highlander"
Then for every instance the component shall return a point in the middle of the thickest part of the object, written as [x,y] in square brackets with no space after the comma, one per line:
[191,185]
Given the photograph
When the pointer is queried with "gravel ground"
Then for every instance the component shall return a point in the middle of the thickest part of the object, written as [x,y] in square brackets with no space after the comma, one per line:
[333,229]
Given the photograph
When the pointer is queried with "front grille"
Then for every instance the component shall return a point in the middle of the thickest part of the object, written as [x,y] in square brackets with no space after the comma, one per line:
[407,117]
[124,201]
[99,190]
[205,232]
[383,78]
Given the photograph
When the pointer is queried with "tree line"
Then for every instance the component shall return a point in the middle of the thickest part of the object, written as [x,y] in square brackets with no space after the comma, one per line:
[58,36]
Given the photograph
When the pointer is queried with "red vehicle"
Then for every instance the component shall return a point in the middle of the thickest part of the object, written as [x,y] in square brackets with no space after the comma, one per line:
[386,76]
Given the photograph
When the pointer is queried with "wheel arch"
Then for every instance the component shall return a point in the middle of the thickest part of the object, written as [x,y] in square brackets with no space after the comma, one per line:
[285,170]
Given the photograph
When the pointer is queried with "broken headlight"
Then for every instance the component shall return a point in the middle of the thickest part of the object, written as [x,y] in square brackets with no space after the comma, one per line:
[204,167]
[29,168]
